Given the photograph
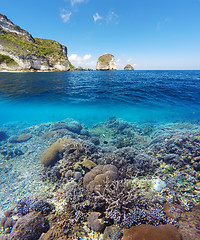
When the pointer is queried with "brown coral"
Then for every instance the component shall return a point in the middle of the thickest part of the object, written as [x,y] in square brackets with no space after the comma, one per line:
[189,223]
[30,226]
[52,154]
[96,179]
[149,232]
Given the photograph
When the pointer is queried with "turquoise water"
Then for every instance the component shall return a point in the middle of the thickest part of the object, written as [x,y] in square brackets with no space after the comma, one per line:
[91,97]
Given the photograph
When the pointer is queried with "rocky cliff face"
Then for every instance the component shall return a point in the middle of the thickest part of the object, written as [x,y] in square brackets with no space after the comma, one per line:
[106,62]
[20,51]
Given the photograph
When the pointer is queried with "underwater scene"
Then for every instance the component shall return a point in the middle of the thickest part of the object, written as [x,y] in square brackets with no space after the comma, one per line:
[100,155]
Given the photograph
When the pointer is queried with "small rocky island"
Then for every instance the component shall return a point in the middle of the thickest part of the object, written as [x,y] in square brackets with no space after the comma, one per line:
[128,67]
[106,62]
[20,51]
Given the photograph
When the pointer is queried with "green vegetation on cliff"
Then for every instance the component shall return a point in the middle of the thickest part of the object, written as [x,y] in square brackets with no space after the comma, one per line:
[128,67]
[105,59]
[7,60]
[40,48]
[71,66]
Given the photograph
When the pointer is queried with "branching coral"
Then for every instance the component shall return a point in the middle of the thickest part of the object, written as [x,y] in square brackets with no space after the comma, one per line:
[130,161]
[128,207]
[118,198]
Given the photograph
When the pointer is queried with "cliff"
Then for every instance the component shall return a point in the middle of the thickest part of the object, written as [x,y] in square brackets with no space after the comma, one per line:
[20,51]
[128,67]
[106,62]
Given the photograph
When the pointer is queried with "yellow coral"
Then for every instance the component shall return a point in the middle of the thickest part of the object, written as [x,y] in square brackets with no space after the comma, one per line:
[85,163]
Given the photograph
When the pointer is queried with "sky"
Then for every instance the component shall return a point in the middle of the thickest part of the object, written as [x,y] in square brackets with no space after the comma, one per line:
[148,34]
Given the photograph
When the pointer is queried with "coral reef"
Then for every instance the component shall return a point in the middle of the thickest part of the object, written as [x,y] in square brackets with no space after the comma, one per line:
[112,233]
[66,224]
[81,156]
[94,223]
[145,214]
[126,206]
[27,205]
[119,133]
[7,224]
[189,223]
[27,217]
[60,133]
[148,232]
[72,126]
[3,135]
[177,147]
[96,179]
[130,161]
[29,227]
[114,175]
[21,138]
[11,152]
[54,152]
[86,163]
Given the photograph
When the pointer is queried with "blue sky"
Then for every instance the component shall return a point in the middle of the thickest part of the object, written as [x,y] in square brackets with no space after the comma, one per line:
[148,34]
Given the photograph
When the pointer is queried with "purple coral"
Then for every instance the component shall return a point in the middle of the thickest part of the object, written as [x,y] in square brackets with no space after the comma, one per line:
[27,205]
[153,215]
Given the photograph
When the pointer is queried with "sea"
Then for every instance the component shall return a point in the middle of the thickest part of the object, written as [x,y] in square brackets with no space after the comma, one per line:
[94,96]
[160,109]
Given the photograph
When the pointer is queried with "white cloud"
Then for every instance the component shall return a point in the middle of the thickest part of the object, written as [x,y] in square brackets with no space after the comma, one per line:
[122,62]
[118,63]
[73,2]
[74,58]
[112,17]
[65,15]
[97,17]
[78,60]
[87,57]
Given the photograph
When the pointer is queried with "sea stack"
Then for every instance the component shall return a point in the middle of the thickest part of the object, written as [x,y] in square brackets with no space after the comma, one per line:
[106,62]
[128,67]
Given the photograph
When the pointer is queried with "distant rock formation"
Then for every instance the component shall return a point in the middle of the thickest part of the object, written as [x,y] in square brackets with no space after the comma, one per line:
[128,67]
[80,69]
[106,62]
[20,51]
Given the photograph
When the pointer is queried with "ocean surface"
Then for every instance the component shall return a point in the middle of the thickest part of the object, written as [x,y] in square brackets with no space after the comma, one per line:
[95,96]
